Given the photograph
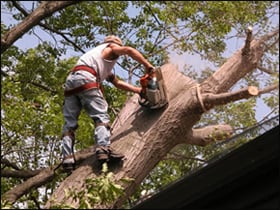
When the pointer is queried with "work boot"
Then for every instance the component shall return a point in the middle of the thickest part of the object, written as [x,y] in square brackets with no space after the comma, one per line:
[68,163]
[105,154]
[102,153]
[114,156]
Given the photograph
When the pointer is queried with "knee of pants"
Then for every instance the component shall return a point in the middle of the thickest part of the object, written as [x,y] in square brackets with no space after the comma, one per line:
[102,135]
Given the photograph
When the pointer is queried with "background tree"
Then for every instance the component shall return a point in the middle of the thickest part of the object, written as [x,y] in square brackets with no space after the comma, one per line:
[32,90]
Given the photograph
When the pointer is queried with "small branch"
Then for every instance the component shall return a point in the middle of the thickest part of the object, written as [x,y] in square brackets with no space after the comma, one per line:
[269,89]
[266,117]
[40,177]
[36,202]
[273,43]
[43,87]
[45,9]
[25,174]
[6,162]
[246,48]
[15,193]
[270,35]
[211,100]
[265,70]
[25,13]
[209,134]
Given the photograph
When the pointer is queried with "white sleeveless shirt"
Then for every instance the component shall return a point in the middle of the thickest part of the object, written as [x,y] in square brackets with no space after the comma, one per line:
[93,59]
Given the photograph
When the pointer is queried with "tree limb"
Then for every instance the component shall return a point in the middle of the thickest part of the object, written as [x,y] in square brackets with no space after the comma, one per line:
[270,35]
[19,173]
[45,9]
[269,88]
[210,100]
[37,178]
[246,48]
[263,69]
[209,134]
[6,162]
[42,178]
[48,28]
[237,66]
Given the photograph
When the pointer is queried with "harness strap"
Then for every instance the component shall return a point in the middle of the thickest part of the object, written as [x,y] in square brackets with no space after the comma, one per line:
[81,88]
[85,68]
[85,86]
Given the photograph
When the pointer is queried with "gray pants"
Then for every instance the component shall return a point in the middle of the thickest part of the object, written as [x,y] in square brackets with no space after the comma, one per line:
[94,104]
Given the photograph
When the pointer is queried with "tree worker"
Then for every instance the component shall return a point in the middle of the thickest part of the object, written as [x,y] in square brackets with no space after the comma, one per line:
[82,90]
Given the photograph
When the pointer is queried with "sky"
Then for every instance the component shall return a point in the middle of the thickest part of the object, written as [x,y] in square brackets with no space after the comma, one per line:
[195,61]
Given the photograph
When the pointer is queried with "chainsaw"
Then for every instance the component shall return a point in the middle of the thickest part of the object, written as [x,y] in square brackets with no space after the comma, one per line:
[153,95]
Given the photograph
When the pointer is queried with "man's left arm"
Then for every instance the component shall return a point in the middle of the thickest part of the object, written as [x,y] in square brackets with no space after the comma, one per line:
[120,84]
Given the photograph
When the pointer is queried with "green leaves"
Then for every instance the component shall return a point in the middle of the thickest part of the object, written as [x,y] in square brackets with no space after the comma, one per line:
[102,190]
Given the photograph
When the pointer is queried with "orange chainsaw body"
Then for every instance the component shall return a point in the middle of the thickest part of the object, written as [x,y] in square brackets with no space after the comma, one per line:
[154,90]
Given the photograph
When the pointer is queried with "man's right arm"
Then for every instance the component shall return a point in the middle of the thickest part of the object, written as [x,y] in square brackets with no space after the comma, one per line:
[134,54]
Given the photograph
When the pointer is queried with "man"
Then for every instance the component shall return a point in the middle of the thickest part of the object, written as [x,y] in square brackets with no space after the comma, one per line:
[82,90]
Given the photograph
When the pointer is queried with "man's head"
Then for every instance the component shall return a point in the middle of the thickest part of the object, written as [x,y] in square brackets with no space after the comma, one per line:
[113,39]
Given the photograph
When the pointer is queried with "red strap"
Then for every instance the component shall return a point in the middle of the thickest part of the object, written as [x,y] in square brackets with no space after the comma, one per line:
[81,88]
[85,68]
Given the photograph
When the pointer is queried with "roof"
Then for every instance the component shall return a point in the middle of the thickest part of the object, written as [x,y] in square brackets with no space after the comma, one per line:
[245,178]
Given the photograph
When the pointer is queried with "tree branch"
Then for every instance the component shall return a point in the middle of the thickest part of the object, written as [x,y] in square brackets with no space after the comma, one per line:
[209,134]
[269,88]
[19,173]
[6,162]
[15,193]
[237,66]
[246,49]
[270,35]
[209,100]
[263,69]
[45,9]
[37,178]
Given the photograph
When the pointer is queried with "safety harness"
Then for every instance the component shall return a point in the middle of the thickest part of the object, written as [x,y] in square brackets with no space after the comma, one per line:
[85,86]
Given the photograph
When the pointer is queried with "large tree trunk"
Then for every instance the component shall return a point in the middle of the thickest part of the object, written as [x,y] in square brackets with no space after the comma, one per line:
[146,136]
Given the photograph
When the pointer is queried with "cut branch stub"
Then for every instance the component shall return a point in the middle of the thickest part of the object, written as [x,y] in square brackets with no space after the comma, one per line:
[252,90]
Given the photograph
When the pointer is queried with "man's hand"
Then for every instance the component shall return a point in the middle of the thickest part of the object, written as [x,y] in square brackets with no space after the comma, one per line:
[150,70]
[142,93]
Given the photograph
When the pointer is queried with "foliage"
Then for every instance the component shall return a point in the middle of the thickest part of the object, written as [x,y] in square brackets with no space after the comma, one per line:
[6,205]
[101,190]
